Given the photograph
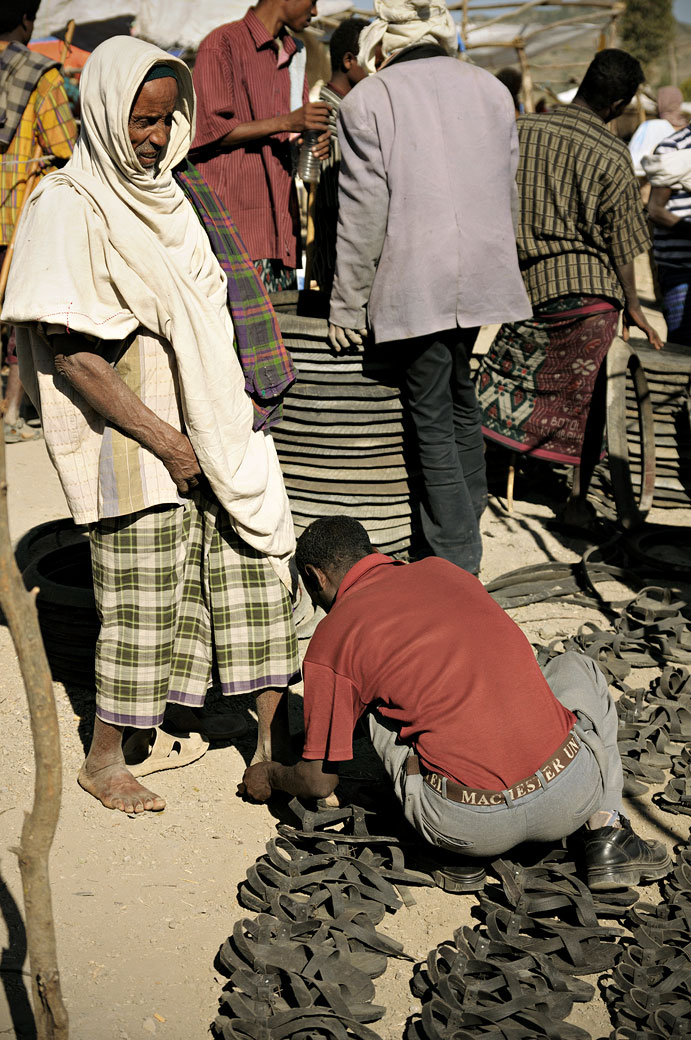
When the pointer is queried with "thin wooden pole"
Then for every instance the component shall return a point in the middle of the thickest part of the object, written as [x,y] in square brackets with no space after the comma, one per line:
[19,608]
[38,831]
[527,88]
[464,22]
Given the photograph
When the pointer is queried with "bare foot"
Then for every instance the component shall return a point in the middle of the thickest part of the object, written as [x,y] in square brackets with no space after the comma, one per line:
[116,788]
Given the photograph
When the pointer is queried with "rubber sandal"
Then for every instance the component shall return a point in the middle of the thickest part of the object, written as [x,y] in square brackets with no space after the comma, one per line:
[473,943]
[651,604]
[356,927]
[651,762]
[661,925]
[161,750]
[634,786]
[674,683]
[676,797]
[20,431]
[573,949]
[212,726]
[301,1022]
[634,707]
[681,764]
[673,642]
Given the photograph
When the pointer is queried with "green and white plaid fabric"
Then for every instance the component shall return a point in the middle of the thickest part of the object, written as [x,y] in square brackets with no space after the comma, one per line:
[176,589]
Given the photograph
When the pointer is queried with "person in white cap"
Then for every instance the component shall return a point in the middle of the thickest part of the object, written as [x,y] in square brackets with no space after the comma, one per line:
[425,252]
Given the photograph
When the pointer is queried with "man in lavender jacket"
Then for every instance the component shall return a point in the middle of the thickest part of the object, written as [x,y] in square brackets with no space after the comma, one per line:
[426,251]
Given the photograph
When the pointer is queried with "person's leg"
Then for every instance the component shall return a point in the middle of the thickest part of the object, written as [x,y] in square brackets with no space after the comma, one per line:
[577,682]
[676,304]
[448,512]
[615,856]
[468,419]
[137,564]
[255,643]
[16,429]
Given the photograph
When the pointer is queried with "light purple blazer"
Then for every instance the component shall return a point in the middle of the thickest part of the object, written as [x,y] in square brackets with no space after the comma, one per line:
[426,189]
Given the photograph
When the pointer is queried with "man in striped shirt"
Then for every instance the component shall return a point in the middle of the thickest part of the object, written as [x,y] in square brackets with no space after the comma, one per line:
[346,72]
[252,98]
[670,211]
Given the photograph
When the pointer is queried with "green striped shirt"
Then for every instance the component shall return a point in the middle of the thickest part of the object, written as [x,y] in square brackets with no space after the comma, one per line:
[581,210]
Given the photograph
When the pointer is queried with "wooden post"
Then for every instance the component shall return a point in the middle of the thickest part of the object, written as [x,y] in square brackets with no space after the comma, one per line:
[528,99]
[19,608]
[38,831]
[464,23]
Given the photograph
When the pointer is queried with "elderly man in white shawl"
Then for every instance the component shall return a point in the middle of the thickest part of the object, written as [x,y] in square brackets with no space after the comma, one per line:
[126,345]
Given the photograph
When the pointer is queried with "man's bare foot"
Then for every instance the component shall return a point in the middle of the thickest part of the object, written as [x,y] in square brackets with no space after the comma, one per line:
[116,788]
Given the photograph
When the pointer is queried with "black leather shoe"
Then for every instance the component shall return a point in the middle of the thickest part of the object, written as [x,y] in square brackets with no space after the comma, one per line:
[454,873]
[615,857]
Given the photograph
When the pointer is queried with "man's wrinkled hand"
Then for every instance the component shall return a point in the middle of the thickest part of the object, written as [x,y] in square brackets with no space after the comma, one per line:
[182,464]
[255,783]
[636,317]
[346,341]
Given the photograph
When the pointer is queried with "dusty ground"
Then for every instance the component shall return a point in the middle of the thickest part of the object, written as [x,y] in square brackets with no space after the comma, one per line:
[142,905]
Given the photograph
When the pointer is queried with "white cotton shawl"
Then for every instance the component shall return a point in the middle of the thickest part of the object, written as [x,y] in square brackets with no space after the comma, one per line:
[669,169]
[404,23]
[105,248]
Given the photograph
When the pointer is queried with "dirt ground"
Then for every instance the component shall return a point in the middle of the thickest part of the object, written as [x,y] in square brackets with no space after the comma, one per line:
[142,905]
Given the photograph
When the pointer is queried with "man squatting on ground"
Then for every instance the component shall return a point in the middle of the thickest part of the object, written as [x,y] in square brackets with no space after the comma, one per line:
[426,251]
[126,344]
[483,750]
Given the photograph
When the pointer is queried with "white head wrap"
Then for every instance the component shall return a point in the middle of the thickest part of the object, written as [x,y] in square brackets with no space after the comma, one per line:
[403,23]
[104,248]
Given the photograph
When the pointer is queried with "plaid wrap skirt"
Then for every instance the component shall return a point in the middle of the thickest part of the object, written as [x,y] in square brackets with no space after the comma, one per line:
[177,590]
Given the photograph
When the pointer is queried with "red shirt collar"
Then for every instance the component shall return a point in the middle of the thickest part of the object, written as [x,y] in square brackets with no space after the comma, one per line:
[363,567]
[262,37]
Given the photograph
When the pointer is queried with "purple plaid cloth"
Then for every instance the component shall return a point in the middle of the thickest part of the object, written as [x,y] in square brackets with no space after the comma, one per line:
[267,365]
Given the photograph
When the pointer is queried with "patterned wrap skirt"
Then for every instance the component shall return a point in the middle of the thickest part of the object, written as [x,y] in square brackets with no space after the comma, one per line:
[535,383]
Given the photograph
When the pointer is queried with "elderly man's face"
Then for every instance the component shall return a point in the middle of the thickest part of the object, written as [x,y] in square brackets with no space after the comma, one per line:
[151,119]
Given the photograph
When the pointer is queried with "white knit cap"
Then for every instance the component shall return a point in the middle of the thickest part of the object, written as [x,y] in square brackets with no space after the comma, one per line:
[402,23]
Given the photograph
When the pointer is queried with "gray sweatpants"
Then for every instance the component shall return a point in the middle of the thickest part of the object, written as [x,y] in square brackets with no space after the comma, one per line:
[593,779]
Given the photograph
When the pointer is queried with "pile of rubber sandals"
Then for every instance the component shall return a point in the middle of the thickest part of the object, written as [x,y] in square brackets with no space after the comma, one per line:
[652,631]
[303,967]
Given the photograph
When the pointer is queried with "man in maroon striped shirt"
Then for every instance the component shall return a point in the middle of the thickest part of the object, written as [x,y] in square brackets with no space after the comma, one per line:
[252,99]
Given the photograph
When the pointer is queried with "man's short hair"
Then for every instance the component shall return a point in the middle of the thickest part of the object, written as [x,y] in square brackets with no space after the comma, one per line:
[612,75]
[12,12]
[332,542]
[344,40]
[512,80]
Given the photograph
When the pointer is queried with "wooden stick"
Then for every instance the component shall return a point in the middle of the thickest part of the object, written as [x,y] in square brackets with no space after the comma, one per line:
[38,831]
[527,87]
[19,608]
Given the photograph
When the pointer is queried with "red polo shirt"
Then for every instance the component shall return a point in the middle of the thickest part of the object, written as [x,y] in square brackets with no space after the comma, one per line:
[427,646]
[239,77]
